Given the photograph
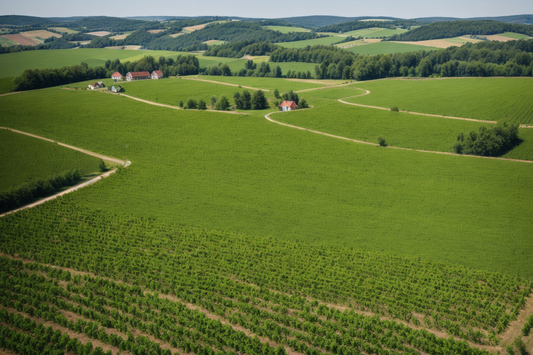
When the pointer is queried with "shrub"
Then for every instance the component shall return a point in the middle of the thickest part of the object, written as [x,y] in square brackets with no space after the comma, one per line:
[191,104]
[303,103]
[202,105]
[395,109]
[382,142]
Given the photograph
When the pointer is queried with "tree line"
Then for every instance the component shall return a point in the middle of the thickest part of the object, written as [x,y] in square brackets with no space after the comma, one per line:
[182,65]
[21,195]
[460,28]
[358,25]
[513,58]
[31,79]
[493,141]
[240,49]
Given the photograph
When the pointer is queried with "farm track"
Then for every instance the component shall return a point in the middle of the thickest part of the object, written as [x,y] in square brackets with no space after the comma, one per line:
[267,116]
[228,84]
[73,188]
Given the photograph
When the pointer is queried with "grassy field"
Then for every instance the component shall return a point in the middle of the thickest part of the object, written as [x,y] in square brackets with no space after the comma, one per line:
[245,174]
[13,64]
[25,159]
[5,85]
[283,85]
[287,29]
[374,32]
[388,47]
[494,99]
[326,41]
[63,30]
[513,35]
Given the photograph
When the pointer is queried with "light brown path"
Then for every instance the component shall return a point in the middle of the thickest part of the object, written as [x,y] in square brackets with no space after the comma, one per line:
[223,83]
[177,107]
[325,87]
[10,93]
[267,116]
[417,113]
[73,188]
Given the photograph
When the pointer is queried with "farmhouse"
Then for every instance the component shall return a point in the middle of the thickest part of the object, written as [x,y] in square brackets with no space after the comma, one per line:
[117,76]
[137,75]
[288,106]
[157,74]
[96,85]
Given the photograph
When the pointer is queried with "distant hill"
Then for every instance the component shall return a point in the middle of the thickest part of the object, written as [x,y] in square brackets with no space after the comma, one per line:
[17,20]
[460,28]
[523,19]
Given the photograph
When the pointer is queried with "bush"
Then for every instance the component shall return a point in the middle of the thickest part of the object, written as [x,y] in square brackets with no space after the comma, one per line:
[489,141]
[222,103]
[202,105]
[382,142]
[395,109]
[191,104]
[303,103]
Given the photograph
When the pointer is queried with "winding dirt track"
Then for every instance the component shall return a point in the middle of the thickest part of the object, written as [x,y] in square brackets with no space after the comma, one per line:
[73,188]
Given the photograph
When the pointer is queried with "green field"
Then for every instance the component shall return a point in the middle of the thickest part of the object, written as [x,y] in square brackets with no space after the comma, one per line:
[513,35]
[245,174]
[25,159]
[63,30]
[5,85]
[283,85]
[287,29]
[6,42]
[13,64]
[462,97]
[388,47]
[326,41]
[374,32]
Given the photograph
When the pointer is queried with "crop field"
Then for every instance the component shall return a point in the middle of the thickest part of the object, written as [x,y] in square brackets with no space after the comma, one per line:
[20,39]
[270,84]
[5,85]
[25,159]
[288,183]
[388,47]
[13,64]
[513,35]
[230,234]
[41,34]
[326,41]
[366,124]
[287,29]
[463,97]
[99,33]
[64,30]
[214,42]
[6,42]
[374,32]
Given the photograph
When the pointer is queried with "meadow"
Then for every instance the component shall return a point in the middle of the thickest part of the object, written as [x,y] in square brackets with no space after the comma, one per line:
[374,32]
[270,84]
[326,41]
[5,85]
[460,97]
[286,29]
[13,64]
[26,159]
[244,174]
[387,47]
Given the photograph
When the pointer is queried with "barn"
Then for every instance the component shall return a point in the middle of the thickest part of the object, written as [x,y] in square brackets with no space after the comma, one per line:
[137,75]
[288,106]
[157,74]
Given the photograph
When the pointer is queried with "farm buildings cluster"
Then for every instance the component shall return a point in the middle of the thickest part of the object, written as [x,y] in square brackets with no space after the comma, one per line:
[139,75]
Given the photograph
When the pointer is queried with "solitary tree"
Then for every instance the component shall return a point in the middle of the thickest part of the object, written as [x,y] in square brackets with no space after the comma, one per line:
[276,94]
[303,103]
[191,103]
[213,101]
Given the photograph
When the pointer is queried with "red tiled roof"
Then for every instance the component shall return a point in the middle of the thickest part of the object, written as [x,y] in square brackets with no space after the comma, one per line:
[158,72]
[136,74]
[116,74]
[290,104]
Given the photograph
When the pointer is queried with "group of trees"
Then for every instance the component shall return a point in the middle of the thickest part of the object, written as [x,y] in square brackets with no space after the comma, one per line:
[245,101]
[250,69]
[460,28]
[513,58]
[182,65]
[240,49]
[23,194]
[492,141]
[31,79]
[358,25]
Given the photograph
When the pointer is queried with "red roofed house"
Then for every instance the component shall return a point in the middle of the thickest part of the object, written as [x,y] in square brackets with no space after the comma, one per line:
[137,75]
[288,106]
[157,74]
[117,76]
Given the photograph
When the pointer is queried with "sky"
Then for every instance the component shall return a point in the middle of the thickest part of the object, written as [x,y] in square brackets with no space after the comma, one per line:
[267,9]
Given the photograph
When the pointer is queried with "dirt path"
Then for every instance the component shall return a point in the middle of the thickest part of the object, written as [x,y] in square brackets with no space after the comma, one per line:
[267,116]
[228,84]
[10,93]
[177,107]
[73,188]
[325,87]
[417,113]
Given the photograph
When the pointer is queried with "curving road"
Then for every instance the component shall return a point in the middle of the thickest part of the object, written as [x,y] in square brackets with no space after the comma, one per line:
[73,188]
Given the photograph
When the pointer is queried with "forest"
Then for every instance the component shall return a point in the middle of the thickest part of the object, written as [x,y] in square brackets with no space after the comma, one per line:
[357,25]
[460,28]
[240,49]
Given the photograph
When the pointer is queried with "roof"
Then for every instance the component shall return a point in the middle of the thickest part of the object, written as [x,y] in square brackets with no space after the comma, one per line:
[94,84]
[136,74]
[158,72]
[290,104]
[116,74]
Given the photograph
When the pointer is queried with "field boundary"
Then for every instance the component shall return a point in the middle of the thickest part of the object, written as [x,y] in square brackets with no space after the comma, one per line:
[73,188]
[267,116]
